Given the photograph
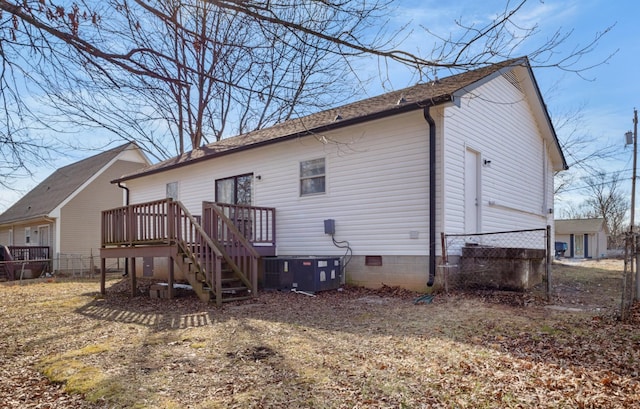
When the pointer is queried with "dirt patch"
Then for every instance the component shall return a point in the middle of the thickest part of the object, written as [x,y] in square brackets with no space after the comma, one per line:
[594,285]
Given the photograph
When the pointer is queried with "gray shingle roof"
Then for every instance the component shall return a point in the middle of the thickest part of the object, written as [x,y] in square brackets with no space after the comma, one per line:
[52,191]
[415,97]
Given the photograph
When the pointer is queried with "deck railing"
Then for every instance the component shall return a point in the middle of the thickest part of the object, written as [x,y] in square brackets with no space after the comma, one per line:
[17,260]
[148,223]
[136,224]
[208,238]
[30,252]
[256,224]
[195,242]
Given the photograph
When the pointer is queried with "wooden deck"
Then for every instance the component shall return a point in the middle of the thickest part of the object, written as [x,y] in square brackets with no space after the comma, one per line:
[212,250]
[15,261]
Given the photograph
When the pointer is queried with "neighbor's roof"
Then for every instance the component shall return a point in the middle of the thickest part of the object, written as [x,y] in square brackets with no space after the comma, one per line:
[568,226]
[52,191]
[392,103]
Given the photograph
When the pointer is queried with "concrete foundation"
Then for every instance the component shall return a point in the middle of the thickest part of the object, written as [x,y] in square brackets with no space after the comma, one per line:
[499,268]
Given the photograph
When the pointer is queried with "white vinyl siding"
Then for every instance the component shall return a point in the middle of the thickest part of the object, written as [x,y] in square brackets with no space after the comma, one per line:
[80,218]
[16,235]
[377,177]
[513,186]
[376,187]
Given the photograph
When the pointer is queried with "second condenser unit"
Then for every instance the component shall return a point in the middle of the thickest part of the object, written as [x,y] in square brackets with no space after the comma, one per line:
[311,274]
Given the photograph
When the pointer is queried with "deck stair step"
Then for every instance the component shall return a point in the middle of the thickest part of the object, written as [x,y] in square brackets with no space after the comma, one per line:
[233,290]
[241,298]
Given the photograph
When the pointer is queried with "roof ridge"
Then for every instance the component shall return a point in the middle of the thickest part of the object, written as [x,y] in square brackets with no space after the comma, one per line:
[386,104]
[55,188]
[118,149]
[489,68]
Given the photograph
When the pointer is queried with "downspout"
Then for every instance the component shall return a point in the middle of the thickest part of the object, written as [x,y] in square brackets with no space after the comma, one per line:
[126,202]
[432,194]
[126,197]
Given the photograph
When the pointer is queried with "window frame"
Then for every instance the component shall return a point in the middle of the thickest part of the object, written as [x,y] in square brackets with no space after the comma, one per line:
[235,179]
[177,190]
[302,178]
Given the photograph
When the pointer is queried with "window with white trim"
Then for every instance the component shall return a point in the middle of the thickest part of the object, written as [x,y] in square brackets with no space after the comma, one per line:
[312,177]
[172,190]
[27,235]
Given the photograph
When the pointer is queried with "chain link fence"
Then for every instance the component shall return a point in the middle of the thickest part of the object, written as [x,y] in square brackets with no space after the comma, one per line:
[75,264]
[506,260]
[69,265]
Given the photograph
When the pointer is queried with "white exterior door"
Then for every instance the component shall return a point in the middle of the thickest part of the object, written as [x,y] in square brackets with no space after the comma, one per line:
[44,236]
[471,191]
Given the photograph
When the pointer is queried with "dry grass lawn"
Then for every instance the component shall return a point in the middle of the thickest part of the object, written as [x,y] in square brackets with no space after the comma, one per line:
[62,345]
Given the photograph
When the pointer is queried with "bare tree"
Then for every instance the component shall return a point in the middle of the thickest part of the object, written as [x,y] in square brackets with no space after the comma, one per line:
[22,150]
[581,149]
[221,77]
[170,74]
[606,200]
[183,73]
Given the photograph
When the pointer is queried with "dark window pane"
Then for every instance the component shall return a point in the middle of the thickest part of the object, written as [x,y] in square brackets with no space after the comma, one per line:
[234,190]
[243,190]
[312,167]
[312,185]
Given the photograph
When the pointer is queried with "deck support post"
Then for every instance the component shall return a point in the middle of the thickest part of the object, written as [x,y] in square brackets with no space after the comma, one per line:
[254,276]
[132,273]
[171,272]
[103,275]
[217,280]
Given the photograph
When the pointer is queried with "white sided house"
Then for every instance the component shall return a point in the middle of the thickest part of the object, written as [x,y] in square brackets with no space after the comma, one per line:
[59,219]
[585,238]
[375,181]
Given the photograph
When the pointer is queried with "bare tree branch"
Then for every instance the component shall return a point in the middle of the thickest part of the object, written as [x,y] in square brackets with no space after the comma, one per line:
[173,75]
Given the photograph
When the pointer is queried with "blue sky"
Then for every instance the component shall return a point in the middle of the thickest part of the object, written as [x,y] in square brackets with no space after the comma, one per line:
[607,96]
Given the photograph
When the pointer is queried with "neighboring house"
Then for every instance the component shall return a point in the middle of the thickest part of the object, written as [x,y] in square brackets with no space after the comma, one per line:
[585,238]
[474,152]
[62,213]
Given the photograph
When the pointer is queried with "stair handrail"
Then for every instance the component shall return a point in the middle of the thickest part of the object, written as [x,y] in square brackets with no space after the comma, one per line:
[199,229]
[246,245]
[245,242]
[219,250]
[213,278]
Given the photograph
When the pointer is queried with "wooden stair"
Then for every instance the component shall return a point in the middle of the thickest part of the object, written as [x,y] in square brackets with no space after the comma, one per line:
[232,286]
[215,257]
[194,274]
[233,289]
